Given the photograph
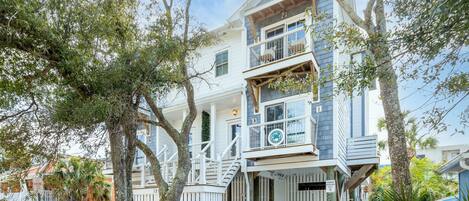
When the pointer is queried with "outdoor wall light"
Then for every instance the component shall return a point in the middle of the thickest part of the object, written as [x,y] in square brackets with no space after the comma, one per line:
[234,112]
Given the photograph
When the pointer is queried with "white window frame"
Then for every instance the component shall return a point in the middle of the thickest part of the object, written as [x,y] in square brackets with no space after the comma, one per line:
[227,62]
[284,100]
[284,22]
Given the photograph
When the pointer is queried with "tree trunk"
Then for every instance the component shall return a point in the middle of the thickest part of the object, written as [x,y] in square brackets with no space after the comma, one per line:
[179,181]
[116,138]
[394,119]
[122,176]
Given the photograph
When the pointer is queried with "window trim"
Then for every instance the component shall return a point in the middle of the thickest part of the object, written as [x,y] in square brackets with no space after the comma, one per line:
[227,62]
[283,22]
[305,97]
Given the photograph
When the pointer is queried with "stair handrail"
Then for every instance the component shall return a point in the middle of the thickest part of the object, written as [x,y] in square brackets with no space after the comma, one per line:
[202,158]
[162,150]
[227,149]
[209,144]
[172,156]
[221,156]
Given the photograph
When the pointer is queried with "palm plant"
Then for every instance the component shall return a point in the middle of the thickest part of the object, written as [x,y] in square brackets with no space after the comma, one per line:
[413,140]
[79,180]
[413,194]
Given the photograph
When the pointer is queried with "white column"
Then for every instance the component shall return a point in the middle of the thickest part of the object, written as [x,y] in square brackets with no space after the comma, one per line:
[309,40]
[308,125]
[244,126]
[213,119]
[158,138]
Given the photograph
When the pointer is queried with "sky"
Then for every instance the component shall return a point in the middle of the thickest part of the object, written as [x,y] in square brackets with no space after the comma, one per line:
[213,13]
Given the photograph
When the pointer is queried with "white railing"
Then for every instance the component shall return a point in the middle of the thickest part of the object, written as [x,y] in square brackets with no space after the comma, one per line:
[298,130]
[199,165]
[234,149]
[285,45]
[201,162]
[361,148]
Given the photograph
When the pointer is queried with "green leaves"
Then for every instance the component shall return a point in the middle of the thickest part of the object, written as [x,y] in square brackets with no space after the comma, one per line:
[428,183]
[79,179]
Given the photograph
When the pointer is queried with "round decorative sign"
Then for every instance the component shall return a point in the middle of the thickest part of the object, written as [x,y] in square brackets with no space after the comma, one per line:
[276,137]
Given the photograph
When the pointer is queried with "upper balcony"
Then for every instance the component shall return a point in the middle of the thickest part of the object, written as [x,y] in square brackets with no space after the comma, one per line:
[277,37]
[290,136]
[277,48]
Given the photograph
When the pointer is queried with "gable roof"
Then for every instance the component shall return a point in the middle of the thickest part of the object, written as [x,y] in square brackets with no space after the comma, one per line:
[458,164]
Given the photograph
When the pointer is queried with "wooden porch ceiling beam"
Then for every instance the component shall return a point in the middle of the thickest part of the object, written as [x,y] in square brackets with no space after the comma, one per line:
[252,27]
[358,176]
[280,75]
[254,92]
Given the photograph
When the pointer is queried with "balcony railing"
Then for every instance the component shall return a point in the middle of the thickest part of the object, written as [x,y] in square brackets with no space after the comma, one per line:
[297,131]
[276,48]
[360,149]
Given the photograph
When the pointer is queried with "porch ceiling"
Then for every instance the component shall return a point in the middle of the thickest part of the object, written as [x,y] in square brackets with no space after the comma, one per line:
[256,82]
[265,11]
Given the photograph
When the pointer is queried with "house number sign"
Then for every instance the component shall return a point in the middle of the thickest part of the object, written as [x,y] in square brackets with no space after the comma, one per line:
[276,137]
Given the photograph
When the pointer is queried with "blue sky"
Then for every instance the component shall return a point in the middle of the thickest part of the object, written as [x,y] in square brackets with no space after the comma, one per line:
[213,13]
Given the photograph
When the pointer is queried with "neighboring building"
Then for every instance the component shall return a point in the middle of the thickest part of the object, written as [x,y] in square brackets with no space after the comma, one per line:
[258,143]
[459,165]
[30,185]
[442,154]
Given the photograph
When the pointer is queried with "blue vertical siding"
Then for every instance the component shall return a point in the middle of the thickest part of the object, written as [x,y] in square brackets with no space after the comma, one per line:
[464,184]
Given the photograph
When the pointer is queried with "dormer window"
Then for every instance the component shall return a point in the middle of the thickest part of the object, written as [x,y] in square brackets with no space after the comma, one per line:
[221,63]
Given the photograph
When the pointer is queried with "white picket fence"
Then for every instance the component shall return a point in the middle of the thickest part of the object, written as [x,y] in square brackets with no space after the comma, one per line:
[27,196]
[152,195]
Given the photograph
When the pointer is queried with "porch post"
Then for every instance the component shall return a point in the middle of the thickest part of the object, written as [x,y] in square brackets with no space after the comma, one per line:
[249,179]
[308,124]
[213,119]
[244,119]
[330,175]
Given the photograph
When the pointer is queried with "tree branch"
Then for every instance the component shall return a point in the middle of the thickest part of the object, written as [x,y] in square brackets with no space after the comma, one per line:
[162,121]
[155,166]
[380,17]
[367,13]
[351,13]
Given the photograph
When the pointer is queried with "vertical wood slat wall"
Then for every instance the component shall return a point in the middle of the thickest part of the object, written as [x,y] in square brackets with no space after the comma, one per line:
[204,196]
[291,187]
[237,190]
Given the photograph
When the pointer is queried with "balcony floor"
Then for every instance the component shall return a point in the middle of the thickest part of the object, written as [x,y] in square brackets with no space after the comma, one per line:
[281,151]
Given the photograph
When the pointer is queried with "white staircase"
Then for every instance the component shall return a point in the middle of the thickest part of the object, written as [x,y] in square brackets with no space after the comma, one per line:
[216,171]
[229,168]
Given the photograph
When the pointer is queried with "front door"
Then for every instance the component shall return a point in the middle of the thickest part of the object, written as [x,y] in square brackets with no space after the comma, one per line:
[234,130]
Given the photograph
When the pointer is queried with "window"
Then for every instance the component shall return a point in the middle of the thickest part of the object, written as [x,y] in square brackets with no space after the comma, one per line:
[449,154]
[293,128]
[274,32]
[274,112]
[296,25]
[221,63]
